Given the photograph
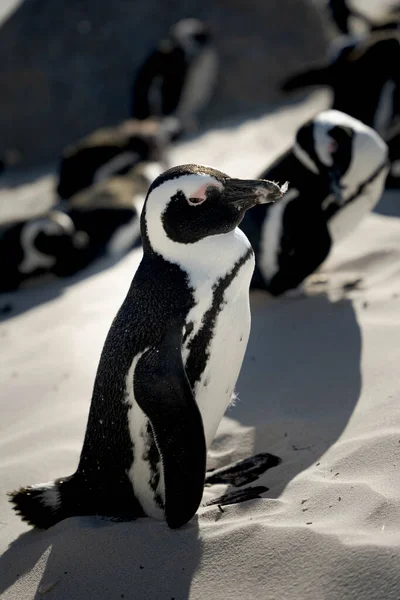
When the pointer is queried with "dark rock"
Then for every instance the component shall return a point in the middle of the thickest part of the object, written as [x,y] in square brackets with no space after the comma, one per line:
[69,65]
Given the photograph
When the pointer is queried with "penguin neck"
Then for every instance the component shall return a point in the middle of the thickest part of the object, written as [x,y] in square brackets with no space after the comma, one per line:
[205,261]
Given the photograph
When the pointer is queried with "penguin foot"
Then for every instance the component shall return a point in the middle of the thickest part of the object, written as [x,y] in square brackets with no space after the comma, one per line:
[244,471]
[238,496]
[352,284]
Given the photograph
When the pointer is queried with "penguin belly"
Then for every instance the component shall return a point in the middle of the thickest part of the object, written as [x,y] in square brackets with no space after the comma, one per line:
[199,85]
[225,352]
[225,349]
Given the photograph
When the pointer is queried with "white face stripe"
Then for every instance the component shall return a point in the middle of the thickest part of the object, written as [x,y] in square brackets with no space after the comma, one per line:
[33,258]
[369,152]
[114,165]
[303,157]
[207,258]
[368,148]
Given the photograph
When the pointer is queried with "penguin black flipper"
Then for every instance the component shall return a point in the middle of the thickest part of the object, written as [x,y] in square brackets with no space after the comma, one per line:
[163,392]
[305,246]
[140,102]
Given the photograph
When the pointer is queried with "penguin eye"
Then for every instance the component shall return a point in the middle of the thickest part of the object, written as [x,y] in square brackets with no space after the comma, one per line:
[332,146]
[196,201]
[199,196]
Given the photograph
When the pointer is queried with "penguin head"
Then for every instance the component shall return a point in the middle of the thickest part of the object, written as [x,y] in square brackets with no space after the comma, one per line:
[190,203]
[340,150]
[191,34]
[56,234]
[46,240]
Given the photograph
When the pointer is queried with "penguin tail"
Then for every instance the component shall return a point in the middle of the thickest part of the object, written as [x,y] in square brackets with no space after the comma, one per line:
[42,505]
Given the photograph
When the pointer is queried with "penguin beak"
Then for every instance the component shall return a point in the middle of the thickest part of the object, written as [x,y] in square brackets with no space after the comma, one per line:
[246,193]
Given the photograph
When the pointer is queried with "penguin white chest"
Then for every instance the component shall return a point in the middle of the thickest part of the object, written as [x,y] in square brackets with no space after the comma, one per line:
[227,342]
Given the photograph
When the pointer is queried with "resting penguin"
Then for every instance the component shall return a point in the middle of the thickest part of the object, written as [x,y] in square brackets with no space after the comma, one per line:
[109,215]
[337,169]
[37,246]
[364,78]
[179,76]
[171,358]
[113,151]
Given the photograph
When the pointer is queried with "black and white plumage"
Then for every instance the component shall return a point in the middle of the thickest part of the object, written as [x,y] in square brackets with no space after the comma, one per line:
[171,358]
[112,151]
[336,170]
[179,75]
[108,214]
[35,247]
[365,80]
[343,14]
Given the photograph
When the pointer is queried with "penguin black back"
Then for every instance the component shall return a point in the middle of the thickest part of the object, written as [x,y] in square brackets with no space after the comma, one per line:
[360,89]
[108,152]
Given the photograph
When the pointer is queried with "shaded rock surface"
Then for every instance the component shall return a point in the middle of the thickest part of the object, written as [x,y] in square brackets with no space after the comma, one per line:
[69,65]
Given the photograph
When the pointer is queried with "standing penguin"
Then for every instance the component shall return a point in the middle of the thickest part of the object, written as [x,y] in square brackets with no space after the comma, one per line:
[337,169]
[365,80]
[171,358]
[35,247]
[179,76]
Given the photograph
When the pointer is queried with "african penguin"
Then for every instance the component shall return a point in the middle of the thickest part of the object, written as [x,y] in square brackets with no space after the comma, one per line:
[365,80]
[113,151]
[37,246]
[171,358]
[337,169]
[109,214]
[179,75]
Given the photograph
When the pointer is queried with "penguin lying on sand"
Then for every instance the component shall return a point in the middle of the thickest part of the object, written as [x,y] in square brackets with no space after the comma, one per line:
[171,358]
[37,246]
[337,169]
[109,215]
[179,76]
[112,151]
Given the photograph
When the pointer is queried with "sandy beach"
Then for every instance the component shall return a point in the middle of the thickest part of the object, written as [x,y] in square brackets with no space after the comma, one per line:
[319,389]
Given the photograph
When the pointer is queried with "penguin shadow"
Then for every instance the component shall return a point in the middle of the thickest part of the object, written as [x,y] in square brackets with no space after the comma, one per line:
[389,204]
[93,557]
[299,384]
[42,290]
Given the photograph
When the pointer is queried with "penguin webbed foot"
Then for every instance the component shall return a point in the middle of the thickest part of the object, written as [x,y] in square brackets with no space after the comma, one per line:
[244,471]
[249,493]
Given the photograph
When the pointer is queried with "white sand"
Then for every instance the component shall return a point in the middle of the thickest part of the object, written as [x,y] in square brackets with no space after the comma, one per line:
[319,388]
